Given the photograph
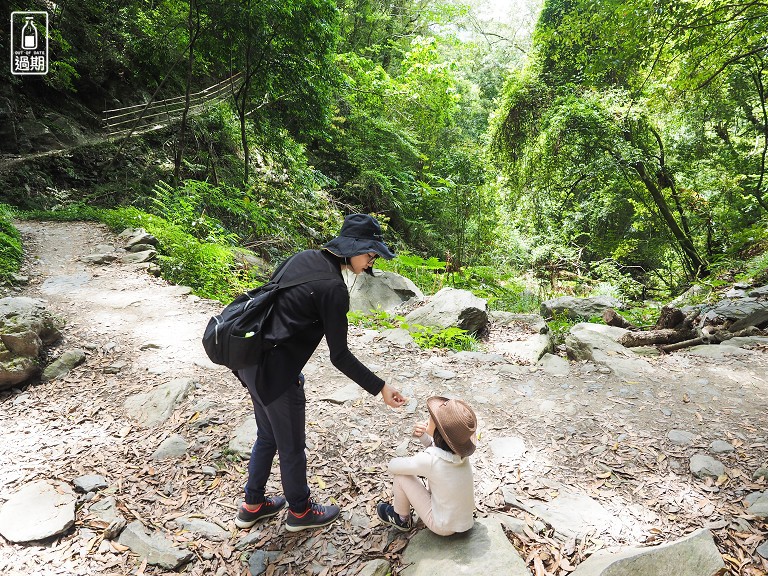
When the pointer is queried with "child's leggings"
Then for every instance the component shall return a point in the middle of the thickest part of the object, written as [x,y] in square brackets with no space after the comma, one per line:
[410,491]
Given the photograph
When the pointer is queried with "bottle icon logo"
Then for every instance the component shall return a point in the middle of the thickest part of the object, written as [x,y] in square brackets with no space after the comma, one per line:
[29,43]
[29,34]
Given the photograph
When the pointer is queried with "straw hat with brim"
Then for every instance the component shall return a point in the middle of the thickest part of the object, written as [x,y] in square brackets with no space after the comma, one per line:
[360,234]
[456,422]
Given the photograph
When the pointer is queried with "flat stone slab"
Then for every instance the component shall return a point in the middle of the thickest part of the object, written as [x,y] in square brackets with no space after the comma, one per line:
[716,351]
[694,555]
[573,514]
[207,530]
[554,365]
[507,448]
[348,393]
[155,407]
[484,549]
[38,511]
[153,546]
[90,483]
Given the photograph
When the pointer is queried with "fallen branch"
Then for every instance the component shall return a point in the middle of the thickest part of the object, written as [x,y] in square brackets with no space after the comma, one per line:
[712,338]
[667,336]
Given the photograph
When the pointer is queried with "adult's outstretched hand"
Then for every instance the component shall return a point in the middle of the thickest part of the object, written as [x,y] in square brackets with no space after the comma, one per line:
[392,396]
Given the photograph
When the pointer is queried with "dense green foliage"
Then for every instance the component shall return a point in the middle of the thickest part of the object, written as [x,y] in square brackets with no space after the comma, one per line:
[10,246]
[618,147]
[637,135]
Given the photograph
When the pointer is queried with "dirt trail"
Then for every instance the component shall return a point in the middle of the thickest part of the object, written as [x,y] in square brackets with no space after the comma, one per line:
[601,436]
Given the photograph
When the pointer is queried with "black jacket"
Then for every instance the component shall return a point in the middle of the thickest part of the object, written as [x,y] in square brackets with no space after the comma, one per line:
[301,316]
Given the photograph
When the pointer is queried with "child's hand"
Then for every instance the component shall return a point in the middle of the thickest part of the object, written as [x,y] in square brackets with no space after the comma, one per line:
[419,429]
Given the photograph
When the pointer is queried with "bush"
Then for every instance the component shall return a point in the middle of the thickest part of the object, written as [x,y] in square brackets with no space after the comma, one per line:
[10,246]
[452,338]
[208,268]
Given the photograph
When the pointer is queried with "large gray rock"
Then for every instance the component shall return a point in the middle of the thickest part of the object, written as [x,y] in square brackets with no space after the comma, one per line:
[25,325]
[175,446]
[452,307]
[385,290]
[740,313]
[157,406]
[694,555]
[597,343]
[579,308]
[484,549]
[38,511]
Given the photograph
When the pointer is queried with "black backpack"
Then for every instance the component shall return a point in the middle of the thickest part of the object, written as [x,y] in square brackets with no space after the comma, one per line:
[235,337]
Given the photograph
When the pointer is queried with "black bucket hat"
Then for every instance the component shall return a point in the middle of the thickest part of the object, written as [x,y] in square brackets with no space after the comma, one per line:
[360,234]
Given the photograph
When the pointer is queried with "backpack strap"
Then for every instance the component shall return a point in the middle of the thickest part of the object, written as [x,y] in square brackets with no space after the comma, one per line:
[303,280]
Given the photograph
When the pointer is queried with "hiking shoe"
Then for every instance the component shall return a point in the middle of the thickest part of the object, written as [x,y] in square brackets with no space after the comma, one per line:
[314,516]
[271,506]
[386,513]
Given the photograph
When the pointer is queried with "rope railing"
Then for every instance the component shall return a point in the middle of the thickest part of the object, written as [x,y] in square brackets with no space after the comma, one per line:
[139,116]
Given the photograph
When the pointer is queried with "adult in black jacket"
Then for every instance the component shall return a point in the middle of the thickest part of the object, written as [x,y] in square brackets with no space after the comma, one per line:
[301,316]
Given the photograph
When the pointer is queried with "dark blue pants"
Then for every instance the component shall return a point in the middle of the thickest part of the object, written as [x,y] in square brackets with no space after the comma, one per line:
[280,430]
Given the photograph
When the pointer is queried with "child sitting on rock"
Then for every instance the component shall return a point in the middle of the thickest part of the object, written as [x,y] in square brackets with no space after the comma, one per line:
[446,505]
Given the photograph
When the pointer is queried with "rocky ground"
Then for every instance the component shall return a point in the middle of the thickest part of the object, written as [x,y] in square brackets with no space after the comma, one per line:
[625,445]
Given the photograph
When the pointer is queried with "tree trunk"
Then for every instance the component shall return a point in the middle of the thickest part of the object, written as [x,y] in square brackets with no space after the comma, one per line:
[194,31]
[697,266]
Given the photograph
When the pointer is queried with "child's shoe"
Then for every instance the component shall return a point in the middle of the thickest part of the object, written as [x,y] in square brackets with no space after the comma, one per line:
[386,513]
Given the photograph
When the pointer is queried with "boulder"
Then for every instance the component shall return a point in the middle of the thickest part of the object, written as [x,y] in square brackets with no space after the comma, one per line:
[25,326]
[579,308]
[243,438]
[385,291]
[738,313]
[527,351]
[452,307]
[534,322]
[63,364]
[597,343]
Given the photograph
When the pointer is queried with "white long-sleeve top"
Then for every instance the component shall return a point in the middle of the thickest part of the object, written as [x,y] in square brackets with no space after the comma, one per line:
[450,482]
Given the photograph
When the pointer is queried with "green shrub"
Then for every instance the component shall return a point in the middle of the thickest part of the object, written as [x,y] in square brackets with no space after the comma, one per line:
[208,268]
[10,246]
[641,316]
[451,338]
